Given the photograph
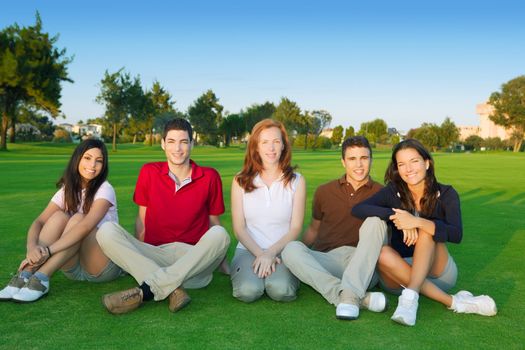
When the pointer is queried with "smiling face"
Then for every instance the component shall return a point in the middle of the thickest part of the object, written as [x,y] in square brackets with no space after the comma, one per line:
[412,167]
[357,165]
[177,147]
[90,164]
[270,146]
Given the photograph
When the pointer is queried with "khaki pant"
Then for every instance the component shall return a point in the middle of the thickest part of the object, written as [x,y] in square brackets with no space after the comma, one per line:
[346,267]
[165,268]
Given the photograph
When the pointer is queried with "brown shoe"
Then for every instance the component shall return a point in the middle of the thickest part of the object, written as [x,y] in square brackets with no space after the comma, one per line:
[124,301]
[178,299]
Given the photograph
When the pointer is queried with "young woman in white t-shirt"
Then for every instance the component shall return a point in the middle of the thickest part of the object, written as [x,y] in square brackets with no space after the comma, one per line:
[268,200]
[63,235]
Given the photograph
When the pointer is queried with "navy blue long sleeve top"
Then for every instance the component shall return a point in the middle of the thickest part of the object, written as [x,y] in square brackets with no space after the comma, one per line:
[446,215]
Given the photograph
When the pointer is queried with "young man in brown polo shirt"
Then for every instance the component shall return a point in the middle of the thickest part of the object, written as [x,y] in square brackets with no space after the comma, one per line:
[345,249]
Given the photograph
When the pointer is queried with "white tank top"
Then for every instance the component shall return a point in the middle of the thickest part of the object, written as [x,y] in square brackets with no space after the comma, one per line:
[268,210]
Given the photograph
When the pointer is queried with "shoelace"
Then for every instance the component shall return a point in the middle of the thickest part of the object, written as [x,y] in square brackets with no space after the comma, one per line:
[128,296]
[35,284]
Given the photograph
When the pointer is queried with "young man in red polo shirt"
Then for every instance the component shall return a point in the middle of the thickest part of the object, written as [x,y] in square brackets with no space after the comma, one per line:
[178,238]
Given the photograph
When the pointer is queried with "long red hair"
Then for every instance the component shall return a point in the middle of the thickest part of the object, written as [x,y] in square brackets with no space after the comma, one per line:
[252,161]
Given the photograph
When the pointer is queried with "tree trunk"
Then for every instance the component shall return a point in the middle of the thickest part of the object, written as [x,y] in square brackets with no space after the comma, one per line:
[12,137]
[150,137]
[134,138]
[305,141]
[114,137]
[517,145]
[5,123]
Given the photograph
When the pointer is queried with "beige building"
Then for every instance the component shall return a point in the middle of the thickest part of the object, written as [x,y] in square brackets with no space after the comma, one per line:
[487,128]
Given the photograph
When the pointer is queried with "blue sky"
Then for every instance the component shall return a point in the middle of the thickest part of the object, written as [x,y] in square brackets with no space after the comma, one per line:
[406,62]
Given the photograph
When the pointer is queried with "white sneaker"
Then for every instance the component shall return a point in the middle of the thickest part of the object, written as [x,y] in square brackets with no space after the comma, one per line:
[406,310]
[346,312]
[33,290]
[13,287]
[465,302]
[376,302]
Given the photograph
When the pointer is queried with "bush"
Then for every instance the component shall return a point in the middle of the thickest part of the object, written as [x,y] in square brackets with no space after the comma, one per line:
[493,143]
[321,142]
[62,136]
[473,143]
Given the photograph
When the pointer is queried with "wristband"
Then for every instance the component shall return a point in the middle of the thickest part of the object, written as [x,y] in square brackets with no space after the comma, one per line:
[48,252]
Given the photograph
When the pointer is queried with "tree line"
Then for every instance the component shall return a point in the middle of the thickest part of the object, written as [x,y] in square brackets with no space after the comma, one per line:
[33,68]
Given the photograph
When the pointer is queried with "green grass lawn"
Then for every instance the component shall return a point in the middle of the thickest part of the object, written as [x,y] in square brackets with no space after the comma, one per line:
[490,261]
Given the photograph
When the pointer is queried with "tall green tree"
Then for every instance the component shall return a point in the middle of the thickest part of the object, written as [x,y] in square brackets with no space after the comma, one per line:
[375,130]
[448,133]
[427,134]
[509,109]
[288,113]
[205,116]
[231,126]
[158,101]
[257,112]
[31,72]
[122,96]
[337,135]
[349,132]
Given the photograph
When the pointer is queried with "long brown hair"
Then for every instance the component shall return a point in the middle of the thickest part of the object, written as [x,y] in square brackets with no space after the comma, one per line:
[72,181]
[253,162]
[431,194]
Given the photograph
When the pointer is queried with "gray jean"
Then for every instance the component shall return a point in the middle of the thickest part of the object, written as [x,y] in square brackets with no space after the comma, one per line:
[281,285]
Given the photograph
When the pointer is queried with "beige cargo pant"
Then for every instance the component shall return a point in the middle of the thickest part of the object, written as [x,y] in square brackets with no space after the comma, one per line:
[346,267]
[166,267]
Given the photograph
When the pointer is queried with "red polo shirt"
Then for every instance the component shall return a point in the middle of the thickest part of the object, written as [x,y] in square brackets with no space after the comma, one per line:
[181,216]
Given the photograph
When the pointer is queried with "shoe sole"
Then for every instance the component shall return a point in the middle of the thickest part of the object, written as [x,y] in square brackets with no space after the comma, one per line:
[182,305]
[401,321]
[28,301]
[346,318]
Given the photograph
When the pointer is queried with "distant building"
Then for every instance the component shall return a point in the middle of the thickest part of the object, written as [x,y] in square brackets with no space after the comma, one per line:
[90,130]
[66,126]
[393,131]
[487,128]
[327,132]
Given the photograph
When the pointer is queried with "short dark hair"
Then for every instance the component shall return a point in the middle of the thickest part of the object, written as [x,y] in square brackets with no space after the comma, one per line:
[178,124]
[355,141]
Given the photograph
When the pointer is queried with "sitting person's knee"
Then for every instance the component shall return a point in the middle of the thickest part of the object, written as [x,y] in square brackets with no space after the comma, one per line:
[280,290]
[386,257]
[291,250]
[105,232]
[248,291]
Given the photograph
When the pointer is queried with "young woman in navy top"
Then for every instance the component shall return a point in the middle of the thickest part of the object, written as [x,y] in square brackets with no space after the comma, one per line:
[423,215]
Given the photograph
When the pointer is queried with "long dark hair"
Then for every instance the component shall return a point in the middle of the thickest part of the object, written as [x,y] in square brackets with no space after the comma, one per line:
[253,162]
[72,181]
[428,201]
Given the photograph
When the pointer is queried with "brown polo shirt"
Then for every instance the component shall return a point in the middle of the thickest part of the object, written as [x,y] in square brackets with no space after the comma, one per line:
[332,205]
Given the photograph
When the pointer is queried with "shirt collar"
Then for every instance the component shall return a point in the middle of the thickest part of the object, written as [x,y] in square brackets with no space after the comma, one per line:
[196,170]
[369,183]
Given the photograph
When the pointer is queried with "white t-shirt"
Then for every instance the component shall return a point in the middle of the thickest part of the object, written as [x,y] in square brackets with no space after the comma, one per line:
[268,211]
[105,191]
